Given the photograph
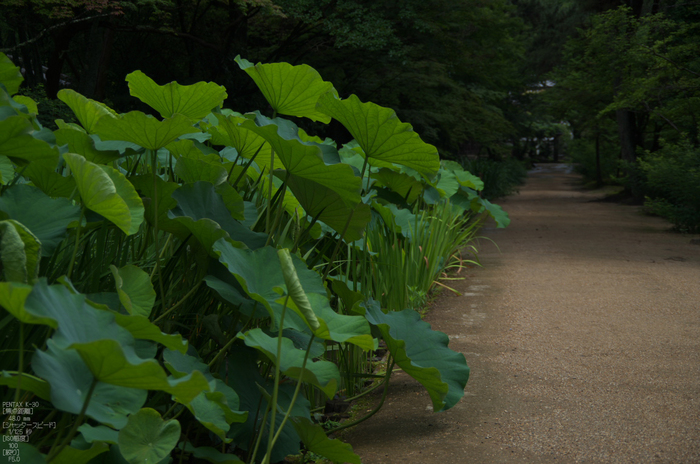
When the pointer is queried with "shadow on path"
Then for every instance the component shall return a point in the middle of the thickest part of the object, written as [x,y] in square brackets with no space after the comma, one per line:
[583,336]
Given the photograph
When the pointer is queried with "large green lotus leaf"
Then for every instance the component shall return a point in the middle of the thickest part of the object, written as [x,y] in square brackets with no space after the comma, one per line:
[322,374]
[73,317]
[260,275]
[53,184]
[405,185]
[10,75]
[20,252]
[400,220]
[194,165]
[423,354]
[204,200]
[194,170]
[47,218]
[325,204]
[479,205]
[135,289]
[88,111]
[141,328]
[242,372]
[210,415]
[166,202]
[111,363]
[28,382]
[71,455]
[350,298]
[194,101]
[220,404]
[328,146]
[231,294]
[70,381]
[27,452]
[338,327]
[212,212]
[13,295]
[147,438]
[144,130]
[7,170]
[447,183]
[467,179]
[247,143]
[107,192]
[30,106]
[100,433]
[187,149]
[81,143]
[290,90]
[316,441]
[381,134]
[305,161]
[212,455]
[290,203]
[17,143]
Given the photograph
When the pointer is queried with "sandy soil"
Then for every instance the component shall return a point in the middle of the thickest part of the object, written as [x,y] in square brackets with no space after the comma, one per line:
[583,336]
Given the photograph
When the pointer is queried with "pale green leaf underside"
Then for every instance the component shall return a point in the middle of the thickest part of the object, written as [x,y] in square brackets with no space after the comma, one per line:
[194,101]
[290,90]
[10,74]
[381,134]
[88,112]
[135,289]
[106,191]
[143,130]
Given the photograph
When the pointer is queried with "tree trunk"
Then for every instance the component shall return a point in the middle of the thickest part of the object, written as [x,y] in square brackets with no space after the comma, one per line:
[61,40]
[626,132]
[598,169]
[99,49]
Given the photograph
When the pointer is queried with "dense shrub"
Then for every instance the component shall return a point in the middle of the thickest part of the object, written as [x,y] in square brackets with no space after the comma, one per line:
[501,178]
[583,156]
[672,185]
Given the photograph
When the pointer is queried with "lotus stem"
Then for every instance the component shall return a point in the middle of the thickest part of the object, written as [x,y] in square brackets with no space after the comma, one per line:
[77,242]
[275,390]
[375,410]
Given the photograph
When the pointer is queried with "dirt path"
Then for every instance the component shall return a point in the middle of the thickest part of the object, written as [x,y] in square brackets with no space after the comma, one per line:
[583,336]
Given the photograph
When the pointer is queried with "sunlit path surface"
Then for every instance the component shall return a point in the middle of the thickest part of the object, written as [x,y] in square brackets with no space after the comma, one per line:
[583,335]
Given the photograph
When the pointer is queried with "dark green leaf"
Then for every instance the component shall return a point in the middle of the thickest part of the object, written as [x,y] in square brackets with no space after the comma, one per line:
[423,354]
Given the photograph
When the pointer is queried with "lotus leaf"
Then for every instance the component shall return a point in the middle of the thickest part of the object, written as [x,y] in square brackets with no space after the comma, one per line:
[107,192]
[290,90]
[423,354]
[381,134]
[194,101]
[147,438]
[47,218]
[315,440]
[88,112]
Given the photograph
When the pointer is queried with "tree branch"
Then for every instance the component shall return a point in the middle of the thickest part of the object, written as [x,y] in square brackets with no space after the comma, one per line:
[671,61]
[180,35]
[52,28]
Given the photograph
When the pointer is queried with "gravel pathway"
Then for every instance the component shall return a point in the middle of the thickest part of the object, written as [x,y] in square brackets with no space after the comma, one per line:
[583,336]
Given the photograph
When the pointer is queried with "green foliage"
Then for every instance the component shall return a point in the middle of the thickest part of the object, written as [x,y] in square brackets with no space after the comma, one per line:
[672,185]
[500,178]
[582,153]
[637,70]
[105,252]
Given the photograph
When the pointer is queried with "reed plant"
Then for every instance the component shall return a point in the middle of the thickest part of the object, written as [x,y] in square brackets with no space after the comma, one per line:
[406,266]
